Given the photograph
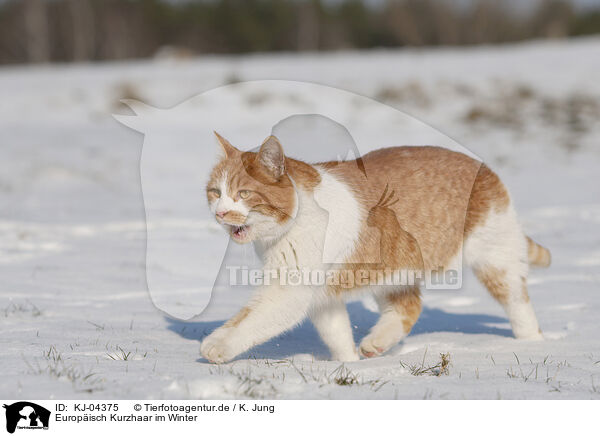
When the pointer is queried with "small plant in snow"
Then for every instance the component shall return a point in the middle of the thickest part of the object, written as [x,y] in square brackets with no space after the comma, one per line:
[440,368]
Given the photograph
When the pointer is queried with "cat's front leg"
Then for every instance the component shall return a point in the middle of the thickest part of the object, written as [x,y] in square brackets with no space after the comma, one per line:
[273,310]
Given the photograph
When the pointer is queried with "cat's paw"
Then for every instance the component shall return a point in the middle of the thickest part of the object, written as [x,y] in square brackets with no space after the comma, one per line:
[372,345]
[215,348]
[529,336]
[348,356]
[217,352]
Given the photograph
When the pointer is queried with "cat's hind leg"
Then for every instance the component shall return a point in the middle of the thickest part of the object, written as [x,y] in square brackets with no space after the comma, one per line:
[333,324]
[510,290]
[399,312]
[497,251]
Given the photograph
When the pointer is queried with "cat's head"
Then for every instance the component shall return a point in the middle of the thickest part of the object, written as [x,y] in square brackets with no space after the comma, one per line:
[251,193]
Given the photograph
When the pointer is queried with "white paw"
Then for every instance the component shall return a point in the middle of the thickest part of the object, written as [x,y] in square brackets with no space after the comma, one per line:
[216,348]
[374,345]
[217,353]
[529,335]
[347,356]
[368,348]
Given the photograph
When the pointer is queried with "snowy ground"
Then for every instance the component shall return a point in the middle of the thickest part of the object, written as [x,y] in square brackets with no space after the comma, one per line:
[75,313]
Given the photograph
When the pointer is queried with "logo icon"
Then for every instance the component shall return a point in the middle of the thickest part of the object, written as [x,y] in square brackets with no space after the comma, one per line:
[26,415]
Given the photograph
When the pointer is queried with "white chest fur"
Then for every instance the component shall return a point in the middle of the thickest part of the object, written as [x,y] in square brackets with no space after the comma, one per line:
[325,229]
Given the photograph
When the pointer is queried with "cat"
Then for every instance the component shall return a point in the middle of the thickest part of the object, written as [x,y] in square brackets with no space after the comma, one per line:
[413,208]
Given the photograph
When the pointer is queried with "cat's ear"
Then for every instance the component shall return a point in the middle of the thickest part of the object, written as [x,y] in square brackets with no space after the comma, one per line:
[228,149]
[271,156]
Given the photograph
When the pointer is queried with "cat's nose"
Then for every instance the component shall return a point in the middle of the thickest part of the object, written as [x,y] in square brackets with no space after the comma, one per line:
[221,213]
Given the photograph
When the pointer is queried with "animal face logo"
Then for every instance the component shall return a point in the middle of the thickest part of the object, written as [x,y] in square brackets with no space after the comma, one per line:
[189,258]
[26,415]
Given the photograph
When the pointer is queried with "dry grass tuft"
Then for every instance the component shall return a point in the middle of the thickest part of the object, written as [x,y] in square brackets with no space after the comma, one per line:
[440,368]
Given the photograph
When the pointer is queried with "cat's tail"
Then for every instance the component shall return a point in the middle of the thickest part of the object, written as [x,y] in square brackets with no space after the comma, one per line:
[538,255]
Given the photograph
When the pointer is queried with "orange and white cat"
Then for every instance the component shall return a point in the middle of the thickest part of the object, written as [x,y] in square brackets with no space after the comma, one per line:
[400,208]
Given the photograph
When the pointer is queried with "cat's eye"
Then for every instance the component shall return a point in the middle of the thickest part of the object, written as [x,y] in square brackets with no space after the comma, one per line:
[244,194]
[215,192]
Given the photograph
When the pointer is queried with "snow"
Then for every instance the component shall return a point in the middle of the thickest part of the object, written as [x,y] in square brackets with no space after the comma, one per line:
[78,321]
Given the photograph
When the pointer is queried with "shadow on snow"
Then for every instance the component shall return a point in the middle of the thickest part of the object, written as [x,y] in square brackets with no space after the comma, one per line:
[305,340]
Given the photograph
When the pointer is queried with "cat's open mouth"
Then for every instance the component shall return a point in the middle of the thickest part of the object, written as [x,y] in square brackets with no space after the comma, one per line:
[239,233]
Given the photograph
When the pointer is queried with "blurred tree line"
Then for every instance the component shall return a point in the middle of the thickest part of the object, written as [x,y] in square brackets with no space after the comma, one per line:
[84,30]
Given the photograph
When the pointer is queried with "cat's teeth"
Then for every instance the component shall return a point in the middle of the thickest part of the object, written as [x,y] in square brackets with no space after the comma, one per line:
[238,231]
